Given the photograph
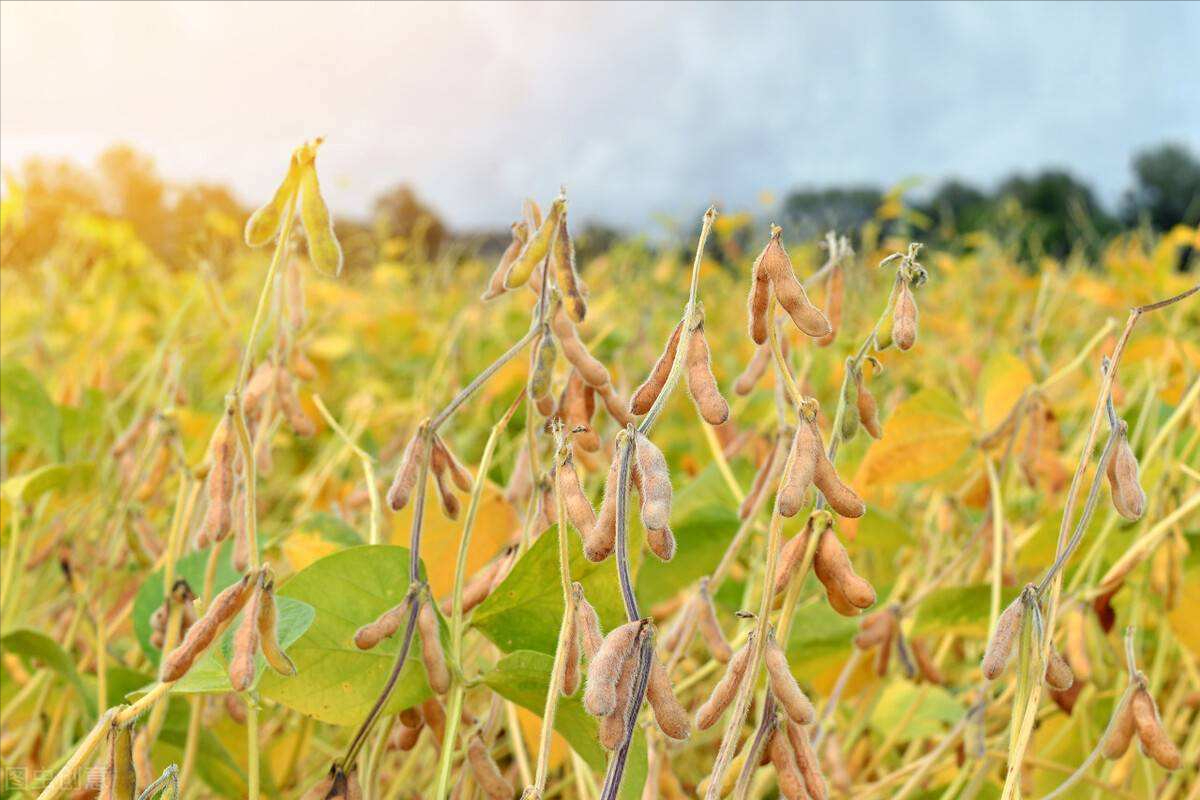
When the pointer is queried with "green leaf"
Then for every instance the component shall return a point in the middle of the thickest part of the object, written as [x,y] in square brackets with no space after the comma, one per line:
[526,610]
[934,709]
[880,535]
[962,610]
[32,418]
[704,520]
[524,676]
[335,681]
[29,486]
[31,644]
[83,425]
[818,631]
[190,568]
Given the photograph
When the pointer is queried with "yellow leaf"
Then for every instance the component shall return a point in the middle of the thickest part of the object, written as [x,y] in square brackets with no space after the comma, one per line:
[1183,618]
[1002,381]
[495,524]
[531,732]
[925,435]
[302,548]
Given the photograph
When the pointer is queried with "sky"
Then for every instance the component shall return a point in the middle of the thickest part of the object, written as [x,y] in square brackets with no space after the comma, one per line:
[640,109]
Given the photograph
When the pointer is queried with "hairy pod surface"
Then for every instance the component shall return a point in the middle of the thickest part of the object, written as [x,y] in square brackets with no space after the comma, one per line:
[868,410]
[1151,733]
[1000,648]
[384,626]
[536,248]
[495,287]
[590,368]
[579,508]
[807,761]
[787,773]
[604,671]
[755,369]
[784,686]
[268,631]
[832,566]
[726,688]
[431,649]
[571,675]
[904,318]
[405,481]
[654,487]
[246,642]
[701,383]
[1058,674]
[835,293]
[841,498]
[588,621]
[218,520]
[217,617]
[652,387]
[789,291]
[671,717]
[805,455]
[565,274]
[1128,498]
[486,773]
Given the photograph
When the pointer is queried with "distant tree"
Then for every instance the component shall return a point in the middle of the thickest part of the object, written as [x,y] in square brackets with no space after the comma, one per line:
[809,213]
[958,207]
[400,214]
[132,189]
[1166,191]
[1059,211]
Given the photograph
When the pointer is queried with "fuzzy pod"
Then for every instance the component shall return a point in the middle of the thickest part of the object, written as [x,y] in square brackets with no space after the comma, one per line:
[1058,673]
[495,288]
[268,631]
[783,685]
[598,543]
[431,650]
[217,617]
[868,410]
[904,318]
[789,291]
[119,781]
[234,707]
[652,387]
[835,294]
[494,785]
[562,261]
[671,717]
[289,403]
[758,302]
[600,696]
[448,500]
[841,498]
[926,667]
[1000,647]
[849,401]
[579,508]
[790,557]
[435,719]
[576,406]
[787,774]
[805,454]
[744,384]
[807,761]
[1128,498]
[246,642]
[701,383]
[883,655]
[218,519]
[454,468]
[531,214]
[381,628]
[831,564]
[765,475]
[710,627]
[302,366]
[614,725]
[726,688]
[588,621]
[541,368]
[570,682]
[406,474]
[1151,733]
[536,248]
[405,737]
[874,629]
[594,373]
[614,405]
[654,488]
[477,589]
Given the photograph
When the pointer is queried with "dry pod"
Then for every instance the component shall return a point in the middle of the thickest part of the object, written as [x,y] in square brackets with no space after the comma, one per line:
[835,293]
[807,761]
[600,696]
[588,622]
[268,630]
[701,383]
[590,369]
[904,317]
[289,403]
[1058,674]
[576,406]
[520,232]
[783,685]
[1151,733]
[536,248]
[841,498]
[217,617]
[431,649]
[654,487]
[671,717]
[849,401]
[476,590]
[562,260]
[579,508]
[384,626]
[598,544]
[787,773]
[218,520]
[652,387]
[614,725]
[754,371]
[406,474]
[831,564]
[520,482]
[925,664]
[570,681]
[446,469]
[259,386]
[774,262]
[710,628]
[486,773]
[1000,648]
[868,410]
[246,641]
[1122,473]
[791,555]
[806,451]
[726,688]
[1120,731]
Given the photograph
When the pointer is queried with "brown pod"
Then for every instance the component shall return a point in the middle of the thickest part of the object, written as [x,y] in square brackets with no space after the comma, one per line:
[458,473]
[841,498]
[439,468]
[1000,648]
[406,474]
[234,707]
[576,406]
[883,655]
[701,382]
[600,696]
[652,387]
[520,482]
[119,781]
[598,544]
[754,371]
[590,368]
[158,471]
[807,762]
[260,384]
[654,487]
[579,508]
[495,288]
[789,291]
[726,688]
[246,642]
[384,626]
[563,261]
[671,717]
[834,296]
[614,724]
[477,589]
[268,631]
[710,628]
[486,773]
[615,405]
[218,520]
[904,318]
[787,774]
[240,556]
[1122,471]
[874,629]
[759,300]
[405,738]
[289,403]
[831,564]
[805,455]
[588,622]
[783,684]
[868,411]
[790,557]
[220,613]
[435,719]
[431,650]
[570,683]
[925,665]
[1151,733]
[765,474]
[1058,674]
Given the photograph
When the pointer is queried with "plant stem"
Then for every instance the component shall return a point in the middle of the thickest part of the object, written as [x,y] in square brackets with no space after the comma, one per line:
[368,466]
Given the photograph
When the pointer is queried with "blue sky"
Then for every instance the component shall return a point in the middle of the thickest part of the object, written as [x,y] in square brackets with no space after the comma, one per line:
[640,109]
